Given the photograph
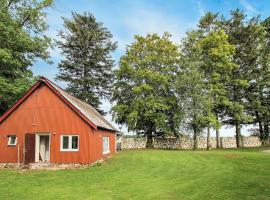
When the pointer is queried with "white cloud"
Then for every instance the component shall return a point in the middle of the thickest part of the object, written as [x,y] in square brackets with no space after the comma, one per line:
[249,7]
[148,21]
[200,7]
[142,20]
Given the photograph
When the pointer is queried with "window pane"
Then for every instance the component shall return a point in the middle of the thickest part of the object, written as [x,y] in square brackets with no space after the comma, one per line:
[105,144]
[104,148]
[74,142]
[12,140]
[65,142]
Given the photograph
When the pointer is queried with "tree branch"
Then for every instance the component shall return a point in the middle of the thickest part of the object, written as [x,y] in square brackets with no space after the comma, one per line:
[9,3]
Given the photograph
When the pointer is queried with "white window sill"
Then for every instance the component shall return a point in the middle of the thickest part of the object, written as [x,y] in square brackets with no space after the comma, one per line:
[69,150]
[106,152]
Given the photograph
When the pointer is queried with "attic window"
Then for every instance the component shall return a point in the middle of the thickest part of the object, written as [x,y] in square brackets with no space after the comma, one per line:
[69,143]
[12,140]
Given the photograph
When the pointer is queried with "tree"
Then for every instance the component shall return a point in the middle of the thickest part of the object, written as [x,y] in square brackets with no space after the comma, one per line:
[246,96]
[258,92]
[216,64]
[144,91]
[209,22]
[246,36]
[265,83]
[206,66]
[87,68]
[22,42]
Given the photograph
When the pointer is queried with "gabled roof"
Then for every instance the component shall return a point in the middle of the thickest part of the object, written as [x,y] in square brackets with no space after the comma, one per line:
[84,110]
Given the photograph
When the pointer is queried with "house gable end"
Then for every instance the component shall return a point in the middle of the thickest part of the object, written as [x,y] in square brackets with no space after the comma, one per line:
[36,86]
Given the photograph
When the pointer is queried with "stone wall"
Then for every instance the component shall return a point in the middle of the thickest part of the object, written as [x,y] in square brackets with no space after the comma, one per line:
[133,143]
[187,143]
[251,142]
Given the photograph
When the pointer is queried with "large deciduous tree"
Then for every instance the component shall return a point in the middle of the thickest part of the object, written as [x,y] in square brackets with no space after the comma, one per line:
[87,68]
[216,55]
[144,90]
[22,42]
[190,88]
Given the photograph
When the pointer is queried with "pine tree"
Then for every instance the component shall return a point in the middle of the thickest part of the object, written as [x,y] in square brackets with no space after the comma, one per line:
[247,37]
[87,68]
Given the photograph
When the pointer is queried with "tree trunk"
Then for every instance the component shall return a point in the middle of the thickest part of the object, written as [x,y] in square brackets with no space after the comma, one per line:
[149,141]
[238,134]
[260,126]
[208,138]
[218,137]
[218,134]
[195,139]
[266,132]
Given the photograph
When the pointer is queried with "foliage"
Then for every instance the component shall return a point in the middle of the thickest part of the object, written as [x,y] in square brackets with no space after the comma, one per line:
[87,68]
[144,93]
[12,90]
[246,87]
[191,91]
[248,36]
[206,66]
[22,42]
[220,76]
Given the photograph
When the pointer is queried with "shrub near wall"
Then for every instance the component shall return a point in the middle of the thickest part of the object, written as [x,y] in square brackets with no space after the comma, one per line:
[187,143]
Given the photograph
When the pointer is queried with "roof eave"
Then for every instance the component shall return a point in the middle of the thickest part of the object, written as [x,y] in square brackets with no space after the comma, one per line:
[107,129]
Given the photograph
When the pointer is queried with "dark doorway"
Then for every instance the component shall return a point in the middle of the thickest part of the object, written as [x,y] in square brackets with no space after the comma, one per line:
[29,148]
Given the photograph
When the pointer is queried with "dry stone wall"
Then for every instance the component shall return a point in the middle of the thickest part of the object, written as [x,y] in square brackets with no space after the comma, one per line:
[133,143]
[187,143]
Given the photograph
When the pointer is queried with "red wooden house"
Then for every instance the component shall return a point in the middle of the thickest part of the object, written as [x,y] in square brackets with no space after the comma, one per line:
[49,125]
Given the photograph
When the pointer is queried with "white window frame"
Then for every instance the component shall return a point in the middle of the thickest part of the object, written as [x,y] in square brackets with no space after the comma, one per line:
[69,143]
[108,142]
[9,140]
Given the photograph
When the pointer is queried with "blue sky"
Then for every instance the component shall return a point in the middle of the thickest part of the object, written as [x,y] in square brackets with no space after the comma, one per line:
[125,18]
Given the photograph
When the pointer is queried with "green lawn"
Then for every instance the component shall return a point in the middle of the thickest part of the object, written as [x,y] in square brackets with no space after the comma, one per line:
[150,174]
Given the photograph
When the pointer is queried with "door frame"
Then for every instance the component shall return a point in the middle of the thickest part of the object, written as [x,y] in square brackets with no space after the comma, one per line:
[37,144]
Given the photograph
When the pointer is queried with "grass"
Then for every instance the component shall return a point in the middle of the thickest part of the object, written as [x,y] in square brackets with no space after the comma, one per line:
[150,174]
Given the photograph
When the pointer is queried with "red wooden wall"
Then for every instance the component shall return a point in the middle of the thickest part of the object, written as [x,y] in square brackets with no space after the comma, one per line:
[44,112]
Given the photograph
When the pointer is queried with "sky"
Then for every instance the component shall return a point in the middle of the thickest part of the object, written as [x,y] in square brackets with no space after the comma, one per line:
[126,18]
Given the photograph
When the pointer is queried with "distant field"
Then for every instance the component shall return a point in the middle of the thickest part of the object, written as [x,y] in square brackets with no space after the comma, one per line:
[151,174]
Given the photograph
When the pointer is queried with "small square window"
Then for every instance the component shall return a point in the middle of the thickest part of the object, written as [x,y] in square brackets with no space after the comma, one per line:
[12,140]
[69,143]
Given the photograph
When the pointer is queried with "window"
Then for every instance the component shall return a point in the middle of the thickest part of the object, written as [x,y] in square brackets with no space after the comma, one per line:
[106,145]
[12,140]
[69,143]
